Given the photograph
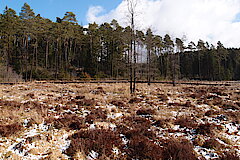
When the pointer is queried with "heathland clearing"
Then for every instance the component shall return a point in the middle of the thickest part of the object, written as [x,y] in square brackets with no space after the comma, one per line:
[100,121]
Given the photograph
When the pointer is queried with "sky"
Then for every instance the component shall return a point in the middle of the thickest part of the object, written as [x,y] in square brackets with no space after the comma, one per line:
[57,8]
[208,20]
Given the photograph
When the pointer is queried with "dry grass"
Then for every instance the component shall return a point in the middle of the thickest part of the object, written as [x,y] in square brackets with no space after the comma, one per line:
[12,111]
[155,121]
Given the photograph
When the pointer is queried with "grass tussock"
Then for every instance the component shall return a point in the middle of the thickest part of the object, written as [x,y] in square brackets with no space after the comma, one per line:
[15,112]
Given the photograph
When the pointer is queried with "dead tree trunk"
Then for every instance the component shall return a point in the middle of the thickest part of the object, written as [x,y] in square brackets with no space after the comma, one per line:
[133,56]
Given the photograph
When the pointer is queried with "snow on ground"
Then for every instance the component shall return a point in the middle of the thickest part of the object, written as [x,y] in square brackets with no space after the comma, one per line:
[50,114]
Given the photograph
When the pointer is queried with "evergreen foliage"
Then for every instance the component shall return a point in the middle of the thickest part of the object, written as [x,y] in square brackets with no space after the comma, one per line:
[37,48]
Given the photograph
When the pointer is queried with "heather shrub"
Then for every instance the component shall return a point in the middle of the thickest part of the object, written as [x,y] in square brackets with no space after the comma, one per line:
[175,149]
[101,141]
[229,156]
[136,125]
[145,111]
[205,129]
[187,122]
[141,147]
[69,122]
[10,129]
[96,114]
[212,144]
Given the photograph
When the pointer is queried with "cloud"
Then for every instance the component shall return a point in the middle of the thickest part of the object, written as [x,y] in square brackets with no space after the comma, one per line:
[93,13]
[209,20]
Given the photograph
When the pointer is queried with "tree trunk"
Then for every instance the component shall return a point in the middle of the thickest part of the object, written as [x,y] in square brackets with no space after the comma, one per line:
[46,54]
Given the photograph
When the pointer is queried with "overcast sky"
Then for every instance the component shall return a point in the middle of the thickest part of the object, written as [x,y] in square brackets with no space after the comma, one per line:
[209,20]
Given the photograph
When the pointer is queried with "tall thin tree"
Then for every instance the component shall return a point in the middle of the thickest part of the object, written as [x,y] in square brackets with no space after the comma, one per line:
[132,4]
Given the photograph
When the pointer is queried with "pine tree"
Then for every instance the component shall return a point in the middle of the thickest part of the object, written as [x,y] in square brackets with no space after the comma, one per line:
[169,52]
[26,12]
[149,46]
[70,17]
[9,23]
[180,49]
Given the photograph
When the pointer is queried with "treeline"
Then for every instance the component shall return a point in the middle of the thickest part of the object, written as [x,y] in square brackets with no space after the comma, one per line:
[37,48]
[212,64]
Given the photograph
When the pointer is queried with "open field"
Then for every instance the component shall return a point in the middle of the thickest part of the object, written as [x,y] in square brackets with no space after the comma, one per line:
[103,121]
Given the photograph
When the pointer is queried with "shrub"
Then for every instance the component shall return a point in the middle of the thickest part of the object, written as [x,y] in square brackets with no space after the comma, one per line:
[218,91]
[229,156]
[136,121]
[230,105]
[68,122]
[100,75]
[96,114]
[145,111]
[178,150]
[161,123]
[118,103]
[212,144]
[98,90]
[101,141]
[84,75]
[86,102]
[187,122]
[211,112]
[10,129]
[136,126]
[162,97]
[205,129]
[140,147]
[135,100]
[41,73]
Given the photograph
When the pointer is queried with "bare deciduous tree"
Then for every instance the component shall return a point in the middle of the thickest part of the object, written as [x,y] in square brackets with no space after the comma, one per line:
[132,4]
